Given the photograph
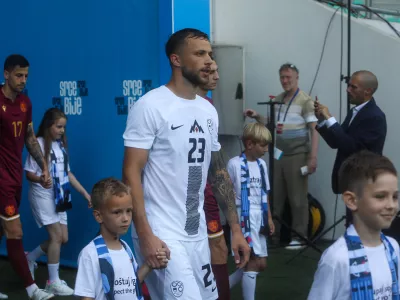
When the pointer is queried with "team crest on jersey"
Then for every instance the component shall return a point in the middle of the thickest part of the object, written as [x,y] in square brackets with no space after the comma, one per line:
[213,226]
[196,128]
[10,210]
[177,288]
[210,125]
[23,106]
[4,108]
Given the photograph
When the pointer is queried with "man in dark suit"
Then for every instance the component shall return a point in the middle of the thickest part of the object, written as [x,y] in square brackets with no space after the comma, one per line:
[363,129]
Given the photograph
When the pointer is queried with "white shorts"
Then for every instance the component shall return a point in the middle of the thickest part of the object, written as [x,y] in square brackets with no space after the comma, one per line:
[188,276]
[259,240]
[44,211]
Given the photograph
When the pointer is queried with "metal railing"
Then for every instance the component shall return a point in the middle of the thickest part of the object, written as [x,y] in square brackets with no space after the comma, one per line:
[388,9]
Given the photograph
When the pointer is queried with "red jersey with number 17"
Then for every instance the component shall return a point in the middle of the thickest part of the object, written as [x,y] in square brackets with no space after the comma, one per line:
[14,120]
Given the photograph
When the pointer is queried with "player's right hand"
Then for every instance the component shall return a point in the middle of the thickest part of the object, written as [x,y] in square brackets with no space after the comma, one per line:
[149,246]
[250,113]
[162,257]
[45,182]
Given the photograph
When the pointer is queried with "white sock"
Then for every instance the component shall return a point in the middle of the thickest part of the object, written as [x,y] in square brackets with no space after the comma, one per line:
[249,285]
[234,278]
[30,289]
[53,272]
[35,254]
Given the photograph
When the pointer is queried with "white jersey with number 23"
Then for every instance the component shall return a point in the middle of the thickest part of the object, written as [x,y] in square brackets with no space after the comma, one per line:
[180,135]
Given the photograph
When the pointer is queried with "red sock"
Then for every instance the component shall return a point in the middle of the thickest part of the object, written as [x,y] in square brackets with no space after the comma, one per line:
[222,277]
[18,261]
[146,294]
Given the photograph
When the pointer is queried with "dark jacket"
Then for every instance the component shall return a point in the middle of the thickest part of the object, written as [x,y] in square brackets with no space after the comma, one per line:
[366,132]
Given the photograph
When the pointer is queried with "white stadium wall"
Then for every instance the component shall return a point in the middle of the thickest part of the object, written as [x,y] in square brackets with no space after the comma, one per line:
[273,32]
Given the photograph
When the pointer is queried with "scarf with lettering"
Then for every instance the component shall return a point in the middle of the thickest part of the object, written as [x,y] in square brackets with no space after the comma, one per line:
[62,192]
[245,203]
[360,273]
[107,269]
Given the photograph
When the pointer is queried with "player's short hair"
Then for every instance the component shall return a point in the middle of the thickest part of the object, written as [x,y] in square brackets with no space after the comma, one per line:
[15,60]
[288,66]
[257,133]
[361,167]
[105,189]
[178,39]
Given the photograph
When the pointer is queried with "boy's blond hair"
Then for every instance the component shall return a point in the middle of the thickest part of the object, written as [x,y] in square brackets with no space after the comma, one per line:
[257,133]
[105,189]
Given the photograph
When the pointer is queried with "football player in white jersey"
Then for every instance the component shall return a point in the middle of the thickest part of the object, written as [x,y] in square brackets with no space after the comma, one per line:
[172,135]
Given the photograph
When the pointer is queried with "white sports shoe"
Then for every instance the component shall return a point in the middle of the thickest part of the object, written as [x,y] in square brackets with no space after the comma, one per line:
[3,296]
[59,288]
[295,245]
[39,294]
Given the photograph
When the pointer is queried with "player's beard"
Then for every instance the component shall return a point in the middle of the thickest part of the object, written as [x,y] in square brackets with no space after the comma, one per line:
[192,77]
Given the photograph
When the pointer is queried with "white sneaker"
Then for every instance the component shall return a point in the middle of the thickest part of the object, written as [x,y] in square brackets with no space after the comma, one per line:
[39,294]
[295,245]
[59,288]
[32,267]
[3,296]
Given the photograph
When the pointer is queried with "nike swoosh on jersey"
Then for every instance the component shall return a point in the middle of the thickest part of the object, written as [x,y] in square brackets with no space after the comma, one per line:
[214,288]
[173,128]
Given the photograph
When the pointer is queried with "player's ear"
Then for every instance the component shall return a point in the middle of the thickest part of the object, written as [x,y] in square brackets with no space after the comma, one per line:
[6,74]
[97,216]
[175,60]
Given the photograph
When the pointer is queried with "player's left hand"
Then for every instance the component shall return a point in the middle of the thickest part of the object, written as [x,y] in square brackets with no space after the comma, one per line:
[239,245]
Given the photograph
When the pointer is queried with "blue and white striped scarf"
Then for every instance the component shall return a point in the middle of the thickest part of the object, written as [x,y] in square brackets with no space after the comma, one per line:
[245,203]
[107,269]
[360,273]
[62,199]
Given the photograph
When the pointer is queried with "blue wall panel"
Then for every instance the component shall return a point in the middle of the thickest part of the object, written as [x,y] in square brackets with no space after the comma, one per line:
[114,49]
[193,14]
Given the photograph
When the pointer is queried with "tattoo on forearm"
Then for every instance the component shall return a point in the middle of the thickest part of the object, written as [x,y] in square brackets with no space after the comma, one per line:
[222,187]
[33,147]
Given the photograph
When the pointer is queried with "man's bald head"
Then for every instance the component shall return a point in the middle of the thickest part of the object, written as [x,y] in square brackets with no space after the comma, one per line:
[363,84]
[368,80]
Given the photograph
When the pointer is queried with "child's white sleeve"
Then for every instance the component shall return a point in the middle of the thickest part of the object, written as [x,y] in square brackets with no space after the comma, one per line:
[231,170]
[31,165]
[85,285]
[326,280]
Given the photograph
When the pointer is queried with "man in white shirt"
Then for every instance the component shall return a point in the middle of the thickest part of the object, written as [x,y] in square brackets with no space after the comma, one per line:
[172,133]
[363,129]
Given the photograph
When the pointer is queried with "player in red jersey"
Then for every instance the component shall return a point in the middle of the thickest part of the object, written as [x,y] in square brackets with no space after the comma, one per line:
[16,130]
[216,240]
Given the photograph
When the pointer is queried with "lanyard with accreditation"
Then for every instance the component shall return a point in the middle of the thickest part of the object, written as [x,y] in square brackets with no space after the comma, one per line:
[279,125]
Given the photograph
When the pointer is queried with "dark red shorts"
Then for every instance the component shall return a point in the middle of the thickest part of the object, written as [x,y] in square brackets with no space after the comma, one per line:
[211,210]
[10,199]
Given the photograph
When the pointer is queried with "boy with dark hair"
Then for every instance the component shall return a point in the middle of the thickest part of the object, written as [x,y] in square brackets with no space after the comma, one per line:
[363,264]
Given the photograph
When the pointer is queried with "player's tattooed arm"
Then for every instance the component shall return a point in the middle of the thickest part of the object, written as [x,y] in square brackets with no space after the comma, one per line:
[33,147]
[222,187]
